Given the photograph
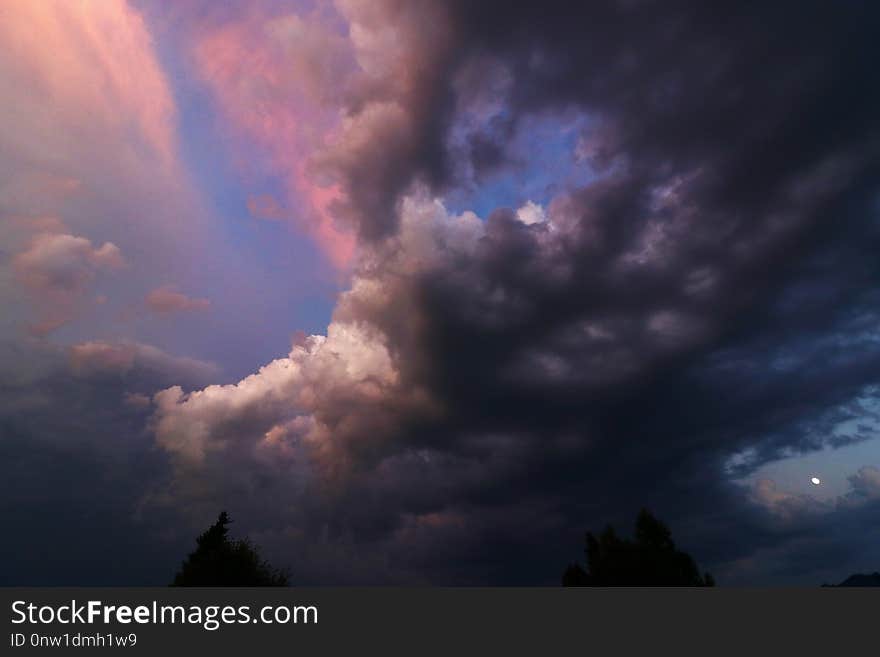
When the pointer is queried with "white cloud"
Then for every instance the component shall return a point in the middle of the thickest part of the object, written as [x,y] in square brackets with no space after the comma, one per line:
[531,213]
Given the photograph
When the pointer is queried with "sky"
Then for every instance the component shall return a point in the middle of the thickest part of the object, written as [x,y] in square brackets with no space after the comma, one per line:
[421,291]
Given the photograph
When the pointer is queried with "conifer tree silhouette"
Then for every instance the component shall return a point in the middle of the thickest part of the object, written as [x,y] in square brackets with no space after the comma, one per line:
[219,561]
[650,559]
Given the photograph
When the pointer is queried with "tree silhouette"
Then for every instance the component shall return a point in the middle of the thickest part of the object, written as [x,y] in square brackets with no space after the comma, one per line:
[859,579]
[649,559]
[219,561]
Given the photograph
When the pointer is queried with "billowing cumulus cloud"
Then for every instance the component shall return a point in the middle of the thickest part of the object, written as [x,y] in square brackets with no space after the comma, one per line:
[507,373]
[344,102]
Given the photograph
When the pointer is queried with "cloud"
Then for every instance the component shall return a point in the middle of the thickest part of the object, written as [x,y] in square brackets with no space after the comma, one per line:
[866,483]
[137,400]
[76,462]
[120,358]
[57,269]
[864,489]
[166,301]
[343,115]
[787,506]
[93,138]
[109,94]
[109,83]
[92,177]
[687,299]
[272,77]
[394,118]
[696,281]
[531,213]
[520,391]
[350,365]
[64,263]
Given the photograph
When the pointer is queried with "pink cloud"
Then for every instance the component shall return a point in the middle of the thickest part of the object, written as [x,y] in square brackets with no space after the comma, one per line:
[100,358]
[136,400]
[89,133]
[275,80]
[94,357]
[56,269]
[332,98]
[60,263]
[47,325]
[87,68]
[166,301]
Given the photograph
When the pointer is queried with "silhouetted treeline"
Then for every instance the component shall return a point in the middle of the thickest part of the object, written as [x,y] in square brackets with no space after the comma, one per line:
[859,579]
[650,558]
[220,561]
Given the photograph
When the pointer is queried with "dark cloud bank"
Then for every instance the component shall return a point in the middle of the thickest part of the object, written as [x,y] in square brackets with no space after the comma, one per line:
[489,390]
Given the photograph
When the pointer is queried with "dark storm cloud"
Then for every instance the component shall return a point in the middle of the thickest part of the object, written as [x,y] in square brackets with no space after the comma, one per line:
[76,461]
[675,81]
[744,184]
[489,390]
[397,109]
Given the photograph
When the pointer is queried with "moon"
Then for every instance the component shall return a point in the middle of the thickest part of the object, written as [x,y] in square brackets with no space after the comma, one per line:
[815,481]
